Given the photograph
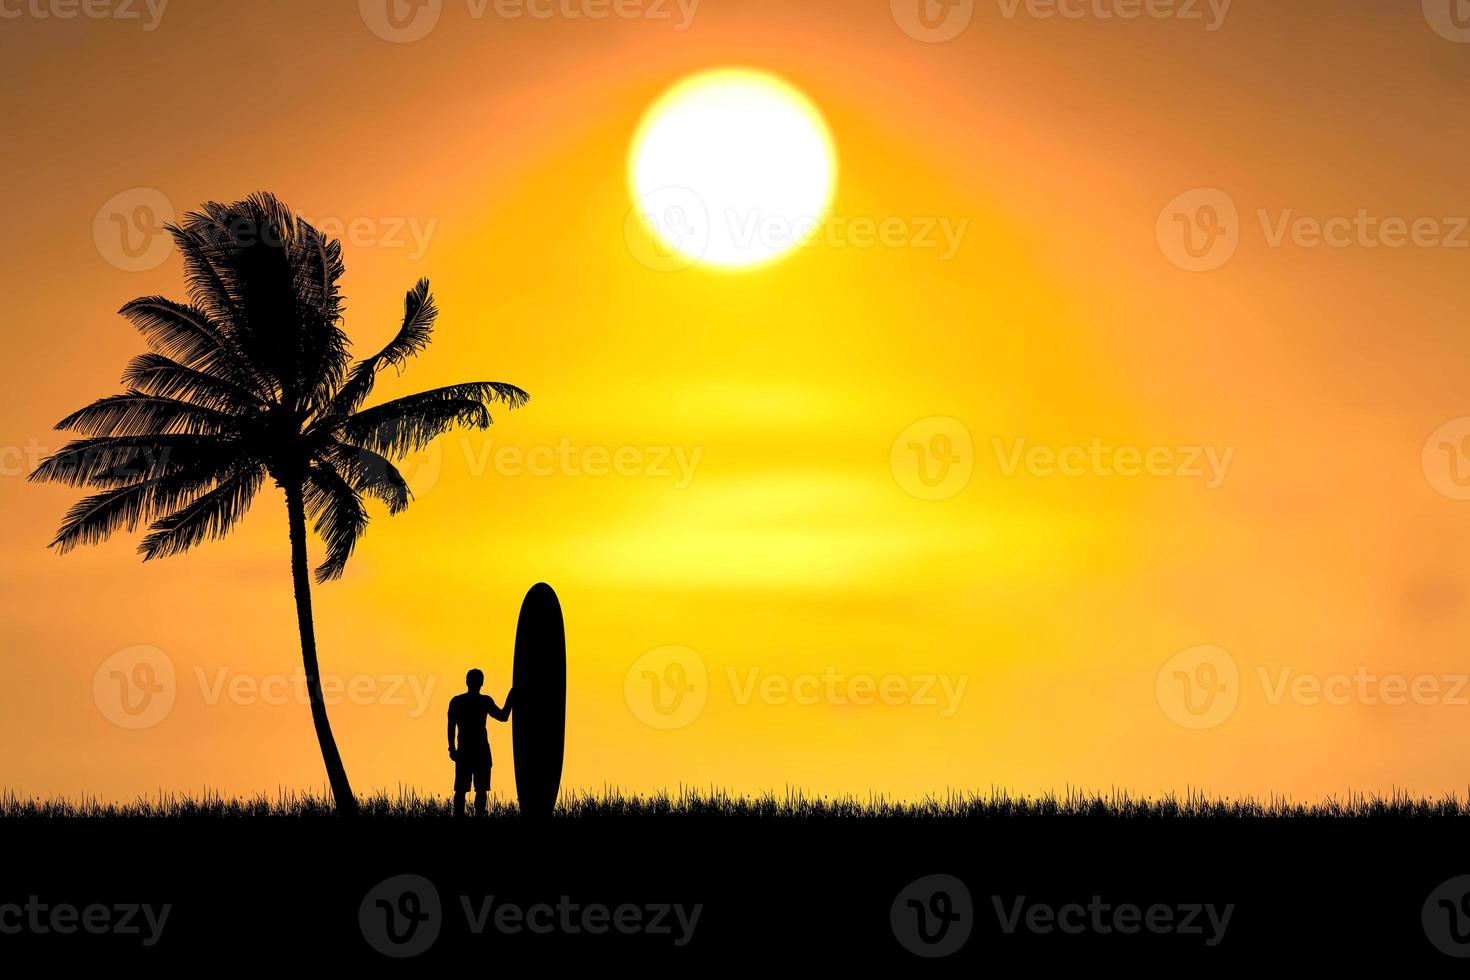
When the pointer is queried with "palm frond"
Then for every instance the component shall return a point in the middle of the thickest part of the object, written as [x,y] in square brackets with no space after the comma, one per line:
[238,262]
[338,516]
[408,424]
[369,473]
[136,414]
[419,314]
[93,519]
[155,374]
[325,349]
[210,516]
[253,377]
[113,461]
[318,263]
[192,336]
[204,245]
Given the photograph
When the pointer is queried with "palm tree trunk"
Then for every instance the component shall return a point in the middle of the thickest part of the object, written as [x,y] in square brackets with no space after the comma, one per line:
[336,773]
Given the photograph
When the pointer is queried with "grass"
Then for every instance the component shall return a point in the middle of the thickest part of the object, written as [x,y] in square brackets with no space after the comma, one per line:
[687,804]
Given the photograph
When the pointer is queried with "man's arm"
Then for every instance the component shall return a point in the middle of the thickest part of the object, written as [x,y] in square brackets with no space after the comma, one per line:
[451,731]
[499,713]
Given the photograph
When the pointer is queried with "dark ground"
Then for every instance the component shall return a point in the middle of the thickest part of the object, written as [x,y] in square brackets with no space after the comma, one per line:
[774,891]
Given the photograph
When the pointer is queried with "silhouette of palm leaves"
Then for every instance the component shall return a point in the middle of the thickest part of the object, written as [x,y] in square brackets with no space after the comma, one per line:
[252,378]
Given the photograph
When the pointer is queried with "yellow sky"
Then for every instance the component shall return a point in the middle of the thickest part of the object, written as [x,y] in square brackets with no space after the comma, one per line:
[763,522]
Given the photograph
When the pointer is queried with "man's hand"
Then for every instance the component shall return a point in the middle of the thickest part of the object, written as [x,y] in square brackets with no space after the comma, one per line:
[453,754]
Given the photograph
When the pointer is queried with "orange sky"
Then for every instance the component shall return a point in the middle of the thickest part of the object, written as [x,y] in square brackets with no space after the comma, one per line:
[1019,626]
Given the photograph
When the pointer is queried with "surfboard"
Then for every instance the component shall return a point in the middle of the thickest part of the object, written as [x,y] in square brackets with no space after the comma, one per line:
[538,718]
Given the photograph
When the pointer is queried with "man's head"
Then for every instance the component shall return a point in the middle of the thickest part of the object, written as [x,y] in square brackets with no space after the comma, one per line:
[475,680]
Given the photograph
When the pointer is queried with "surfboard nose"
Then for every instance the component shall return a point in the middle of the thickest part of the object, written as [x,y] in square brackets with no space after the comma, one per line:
[542,595]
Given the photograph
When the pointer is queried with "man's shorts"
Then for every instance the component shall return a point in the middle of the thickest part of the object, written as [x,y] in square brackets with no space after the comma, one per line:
[472,767]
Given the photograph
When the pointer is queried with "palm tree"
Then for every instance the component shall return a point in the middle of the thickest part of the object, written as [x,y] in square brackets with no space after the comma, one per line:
[253,379]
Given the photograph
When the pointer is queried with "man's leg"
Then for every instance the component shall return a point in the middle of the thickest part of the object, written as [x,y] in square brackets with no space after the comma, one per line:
[462,775]
[482,789]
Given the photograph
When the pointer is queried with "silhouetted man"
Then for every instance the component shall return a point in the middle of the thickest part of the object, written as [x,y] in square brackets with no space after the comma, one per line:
[467,712]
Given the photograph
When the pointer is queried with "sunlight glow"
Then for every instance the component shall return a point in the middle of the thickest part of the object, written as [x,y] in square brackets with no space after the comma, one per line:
[732,168]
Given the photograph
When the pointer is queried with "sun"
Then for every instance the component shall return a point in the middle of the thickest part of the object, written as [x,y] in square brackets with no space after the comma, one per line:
[732,168]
